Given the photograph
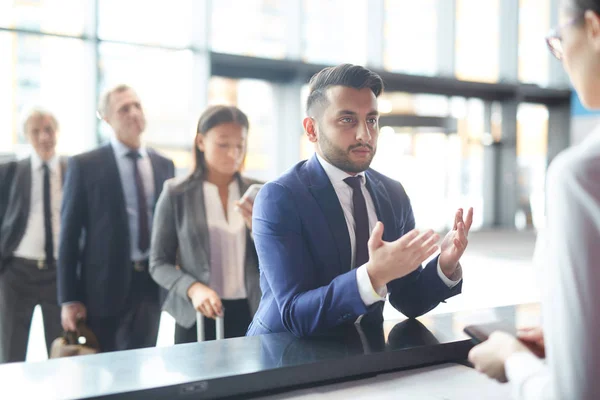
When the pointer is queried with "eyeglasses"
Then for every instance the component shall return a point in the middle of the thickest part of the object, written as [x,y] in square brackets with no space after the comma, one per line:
[554,38]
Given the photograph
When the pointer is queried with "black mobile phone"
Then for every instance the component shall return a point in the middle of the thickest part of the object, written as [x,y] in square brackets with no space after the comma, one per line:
[481,332]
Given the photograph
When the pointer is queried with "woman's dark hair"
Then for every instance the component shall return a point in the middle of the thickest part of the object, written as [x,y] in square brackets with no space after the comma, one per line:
[210,118]
[579,7]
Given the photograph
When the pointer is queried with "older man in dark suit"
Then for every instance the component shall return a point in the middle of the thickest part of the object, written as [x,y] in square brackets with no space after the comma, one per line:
[30,196]
[107,211]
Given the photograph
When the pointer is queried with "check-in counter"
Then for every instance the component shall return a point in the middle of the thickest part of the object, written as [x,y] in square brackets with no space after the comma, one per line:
[255,366]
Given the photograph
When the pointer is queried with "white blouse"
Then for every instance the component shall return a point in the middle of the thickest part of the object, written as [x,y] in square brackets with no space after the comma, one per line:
[568,258]
[227,237]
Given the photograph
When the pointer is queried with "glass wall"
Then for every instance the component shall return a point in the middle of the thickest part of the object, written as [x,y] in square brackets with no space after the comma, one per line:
[47,16]
[165,42]
[36,75]
[450,162]
[532,149]
[335,31]
[477,40]
[250,27]
[534,24]
[410,36]
[164,23]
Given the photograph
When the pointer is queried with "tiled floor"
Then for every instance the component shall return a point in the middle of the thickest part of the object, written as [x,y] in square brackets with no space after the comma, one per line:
[497,271]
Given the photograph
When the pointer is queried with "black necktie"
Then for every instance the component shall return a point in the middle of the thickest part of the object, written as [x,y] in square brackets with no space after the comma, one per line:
[142,206]
[361,220]
[49,242]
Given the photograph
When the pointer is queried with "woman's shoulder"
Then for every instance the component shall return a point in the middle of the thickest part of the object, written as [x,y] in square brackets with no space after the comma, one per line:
[579,163]
[181,184]
[250,181]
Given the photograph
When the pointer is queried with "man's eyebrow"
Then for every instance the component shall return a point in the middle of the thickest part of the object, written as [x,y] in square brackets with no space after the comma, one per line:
[346,112]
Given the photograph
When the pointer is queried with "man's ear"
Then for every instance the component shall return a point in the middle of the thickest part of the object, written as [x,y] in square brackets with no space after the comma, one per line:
[310,129]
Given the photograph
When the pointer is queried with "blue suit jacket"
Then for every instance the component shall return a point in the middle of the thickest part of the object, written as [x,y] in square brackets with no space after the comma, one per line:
[94,261]
[304,254]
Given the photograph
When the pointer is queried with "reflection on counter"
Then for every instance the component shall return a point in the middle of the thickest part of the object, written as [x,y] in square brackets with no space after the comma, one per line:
[256,364]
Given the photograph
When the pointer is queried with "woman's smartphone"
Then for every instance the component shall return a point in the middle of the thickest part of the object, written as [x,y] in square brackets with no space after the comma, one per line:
[251,192]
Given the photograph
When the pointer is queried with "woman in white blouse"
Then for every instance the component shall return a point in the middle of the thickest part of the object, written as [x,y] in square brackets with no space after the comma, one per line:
[202,250]
[568,252]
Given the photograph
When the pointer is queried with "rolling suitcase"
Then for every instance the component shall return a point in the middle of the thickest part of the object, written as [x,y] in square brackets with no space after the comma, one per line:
[219,327]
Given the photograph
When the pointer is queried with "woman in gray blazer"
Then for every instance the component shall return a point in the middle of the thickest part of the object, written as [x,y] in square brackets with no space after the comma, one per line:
[202,250]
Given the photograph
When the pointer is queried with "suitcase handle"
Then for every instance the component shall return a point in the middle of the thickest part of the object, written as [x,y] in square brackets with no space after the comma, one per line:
[219,327]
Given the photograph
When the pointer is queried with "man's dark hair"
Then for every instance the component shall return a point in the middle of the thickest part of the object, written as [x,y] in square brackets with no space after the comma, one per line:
[348,75]
[581,6]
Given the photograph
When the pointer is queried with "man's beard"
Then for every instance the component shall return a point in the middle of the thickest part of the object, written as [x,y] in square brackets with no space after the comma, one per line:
[340,158]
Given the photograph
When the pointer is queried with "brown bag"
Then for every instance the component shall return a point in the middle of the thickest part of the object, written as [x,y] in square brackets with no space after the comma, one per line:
[79,343]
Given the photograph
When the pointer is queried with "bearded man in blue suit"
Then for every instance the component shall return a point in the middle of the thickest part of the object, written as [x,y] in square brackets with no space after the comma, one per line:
[334,237]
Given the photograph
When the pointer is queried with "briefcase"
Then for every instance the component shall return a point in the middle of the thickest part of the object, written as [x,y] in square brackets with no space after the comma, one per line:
[78,343]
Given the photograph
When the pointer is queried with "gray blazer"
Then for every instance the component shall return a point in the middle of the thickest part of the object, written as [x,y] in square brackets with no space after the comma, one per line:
[15,195]
[180,248]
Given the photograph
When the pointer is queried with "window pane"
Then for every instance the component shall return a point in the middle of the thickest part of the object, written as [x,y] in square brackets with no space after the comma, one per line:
[477,40]
[168,103]
[410,103]
[534,24]
[532,149]
[36,75]
[162,22]
[335,31]
[412,158]
[65,17]
[451,161]
[249,27]
[256,99]
[411,36]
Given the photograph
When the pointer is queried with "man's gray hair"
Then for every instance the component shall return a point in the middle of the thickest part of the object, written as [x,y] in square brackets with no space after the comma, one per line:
[37,112]
[105,99]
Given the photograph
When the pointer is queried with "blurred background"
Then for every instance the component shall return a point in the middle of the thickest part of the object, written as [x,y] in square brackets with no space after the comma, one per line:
[475,107]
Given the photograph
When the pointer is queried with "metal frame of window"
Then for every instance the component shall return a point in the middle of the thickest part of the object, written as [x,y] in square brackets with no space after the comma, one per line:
[289,75]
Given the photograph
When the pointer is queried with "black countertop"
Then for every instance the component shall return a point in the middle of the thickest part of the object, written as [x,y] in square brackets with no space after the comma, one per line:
[254,365]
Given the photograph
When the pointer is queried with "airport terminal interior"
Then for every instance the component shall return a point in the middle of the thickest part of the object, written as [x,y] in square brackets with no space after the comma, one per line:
[474,110]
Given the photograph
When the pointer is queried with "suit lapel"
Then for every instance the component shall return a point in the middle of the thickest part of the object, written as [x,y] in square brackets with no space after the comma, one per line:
[63,168]
[157,174]
[322,190]
[112,170]
[383,206]
[195,201]
[22,181]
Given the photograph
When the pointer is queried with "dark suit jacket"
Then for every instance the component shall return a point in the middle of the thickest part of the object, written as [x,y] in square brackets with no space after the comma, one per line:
[180,238]
[15,198]
[304,254]
[94,261]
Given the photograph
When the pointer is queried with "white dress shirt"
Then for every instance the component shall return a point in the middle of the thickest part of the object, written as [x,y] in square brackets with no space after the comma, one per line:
[368,293]
[227,237]
[126,173]
[32,245]
[568,259]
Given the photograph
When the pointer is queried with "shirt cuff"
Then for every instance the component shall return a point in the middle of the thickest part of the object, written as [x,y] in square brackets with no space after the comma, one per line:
[449,282]
[527,374]
[368,294]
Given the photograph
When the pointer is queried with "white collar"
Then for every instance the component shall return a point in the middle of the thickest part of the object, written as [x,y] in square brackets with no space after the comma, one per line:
[36,162]
[336,175]
[121,150]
